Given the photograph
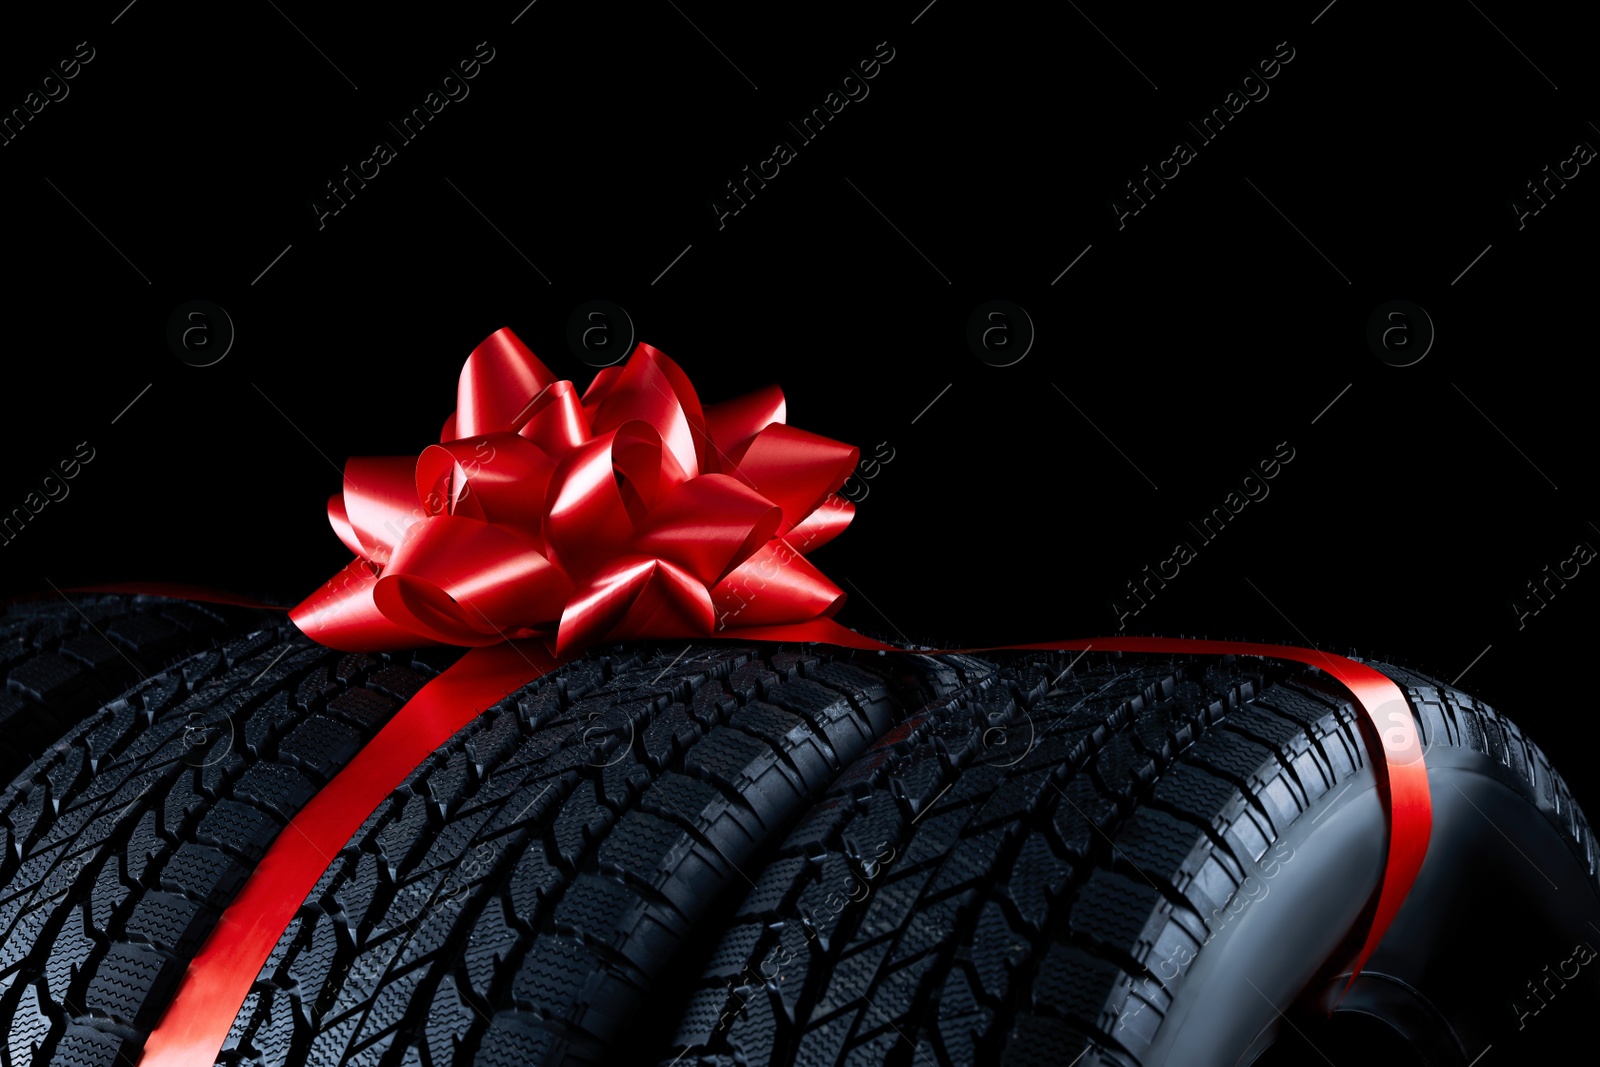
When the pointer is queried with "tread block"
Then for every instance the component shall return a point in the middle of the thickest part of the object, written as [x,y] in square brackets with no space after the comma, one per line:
[93,651]
[132,984]
[85,1046]
[515,1041]
[725,756]
[363,707]
[320,744]
[402,683]
[143,633]
[280,789]
[203,872]
[48,676]
[1040,1041]
[170,921]
[352,666]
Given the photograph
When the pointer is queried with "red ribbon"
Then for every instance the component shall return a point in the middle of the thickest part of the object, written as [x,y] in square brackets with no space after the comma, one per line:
[543,523]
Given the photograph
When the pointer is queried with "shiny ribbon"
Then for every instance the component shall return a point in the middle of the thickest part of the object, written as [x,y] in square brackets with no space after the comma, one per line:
[544,523]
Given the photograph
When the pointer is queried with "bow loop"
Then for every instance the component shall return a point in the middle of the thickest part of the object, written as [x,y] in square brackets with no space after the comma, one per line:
[654,389]
[497,381]
[497,477]
[556,421]
[379,503]
[437,587]
[733,424]
[796,470]
[709,525]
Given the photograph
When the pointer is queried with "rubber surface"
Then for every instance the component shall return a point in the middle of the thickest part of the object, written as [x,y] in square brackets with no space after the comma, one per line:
[722,855]
[65,656]
[962,898]
[512,901]
[120,845]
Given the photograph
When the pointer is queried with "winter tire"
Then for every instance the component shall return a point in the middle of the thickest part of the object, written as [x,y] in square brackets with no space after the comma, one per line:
[567,840]
[774,855]
[1142,861]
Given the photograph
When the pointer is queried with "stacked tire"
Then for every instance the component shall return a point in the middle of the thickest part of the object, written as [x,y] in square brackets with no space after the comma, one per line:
[779,854]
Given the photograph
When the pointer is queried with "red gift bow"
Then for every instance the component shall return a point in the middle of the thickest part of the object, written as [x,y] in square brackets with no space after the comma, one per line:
[631,512]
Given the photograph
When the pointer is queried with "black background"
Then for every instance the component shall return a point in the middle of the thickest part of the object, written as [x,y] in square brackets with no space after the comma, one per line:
[1198,336]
